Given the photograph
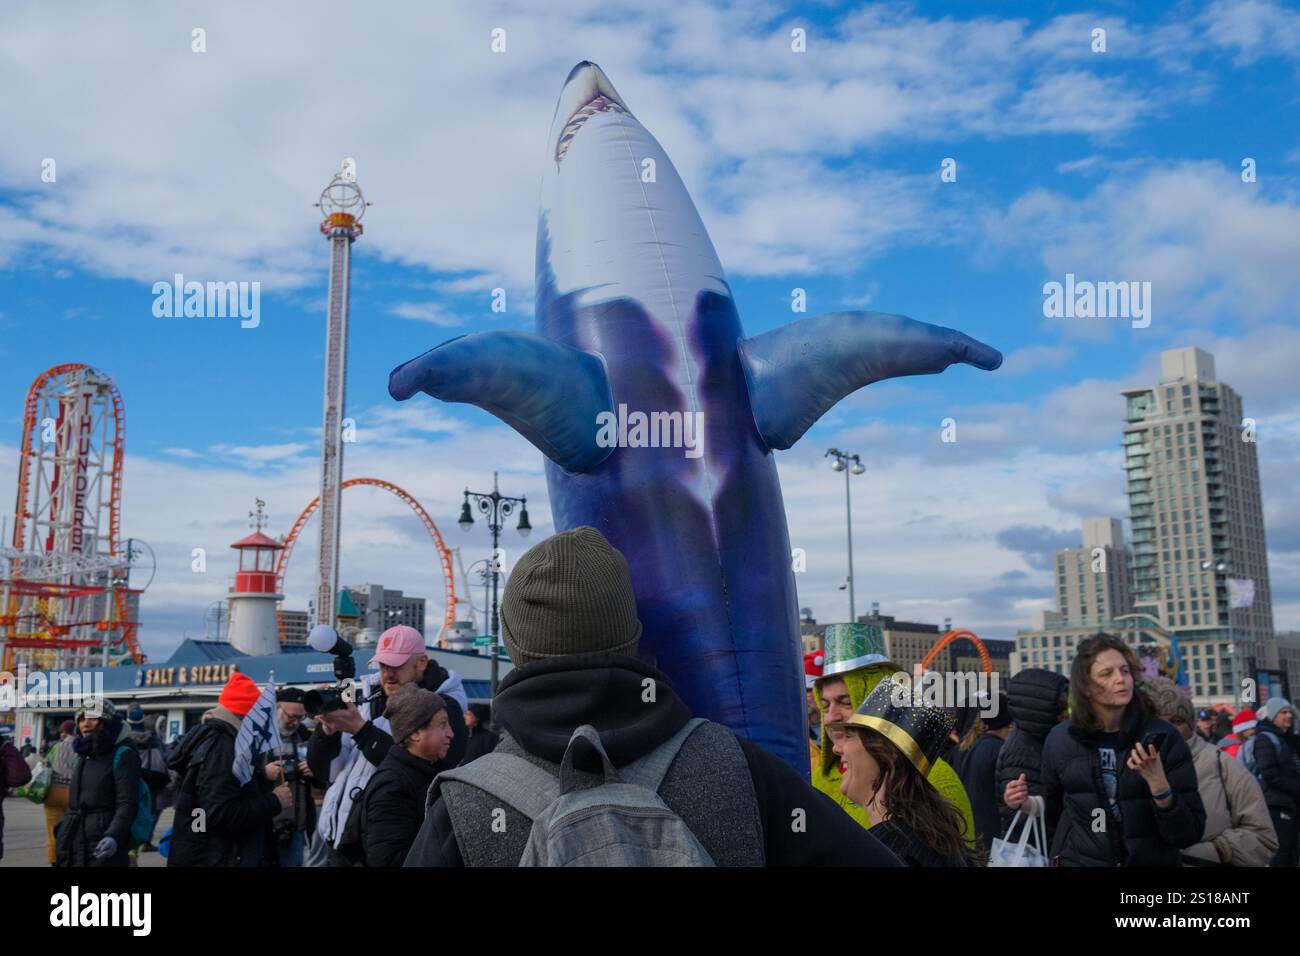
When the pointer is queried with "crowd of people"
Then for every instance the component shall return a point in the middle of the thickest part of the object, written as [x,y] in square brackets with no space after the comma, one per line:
[586,755]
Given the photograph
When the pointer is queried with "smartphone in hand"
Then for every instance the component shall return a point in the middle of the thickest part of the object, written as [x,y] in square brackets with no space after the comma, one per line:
[1155,739]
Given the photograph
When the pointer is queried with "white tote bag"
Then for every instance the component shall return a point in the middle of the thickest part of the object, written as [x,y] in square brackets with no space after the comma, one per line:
[1023,852]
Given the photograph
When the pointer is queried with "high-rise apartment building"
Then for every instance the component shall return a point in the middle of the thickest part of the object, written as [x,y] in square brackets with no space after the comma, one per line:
[1199,560]
[1092,582]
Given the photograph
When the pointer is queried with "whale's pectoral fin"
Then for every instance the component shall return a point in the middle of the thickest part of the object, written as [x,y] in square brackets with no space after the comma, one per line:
[548,392]
[797,372]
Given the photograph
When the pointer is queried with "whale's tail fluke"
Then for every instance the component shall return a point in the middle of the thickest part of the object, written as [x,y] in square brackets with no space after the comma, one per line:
[797,372]
[549,393]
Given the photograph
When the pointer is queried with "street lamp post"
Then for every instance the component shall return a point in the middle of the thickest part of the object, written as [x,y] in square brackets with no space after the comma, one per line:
[496,507]
[1220,569]
[840,462]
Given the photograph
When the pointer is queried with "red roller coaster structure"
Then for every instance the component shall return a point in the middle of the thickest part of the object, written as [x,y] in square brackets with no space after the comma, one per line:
[64,587]
[951,636]
[449,581]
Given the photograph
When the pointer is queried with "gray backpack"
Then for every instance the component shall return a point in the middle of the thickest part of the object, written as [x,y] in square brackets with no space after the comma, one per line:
[620,822]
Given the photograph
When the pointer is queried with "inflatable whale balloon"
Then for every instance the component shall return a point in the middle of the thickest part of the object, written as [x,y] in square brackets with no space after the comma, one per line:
[658,417]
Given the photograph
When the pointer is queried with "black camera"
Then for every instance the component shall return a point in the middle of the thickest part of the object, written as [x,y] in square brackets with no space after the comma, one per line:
[325,639]
[317,702]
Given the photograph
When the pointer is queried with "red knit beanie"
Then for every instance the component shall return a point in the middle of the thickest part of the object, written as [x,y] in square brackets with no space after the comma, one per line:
[240,694]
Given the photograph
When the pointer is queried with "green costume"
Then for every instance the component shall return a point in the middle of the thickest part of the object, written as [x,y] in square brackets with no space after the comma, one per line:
[861,646]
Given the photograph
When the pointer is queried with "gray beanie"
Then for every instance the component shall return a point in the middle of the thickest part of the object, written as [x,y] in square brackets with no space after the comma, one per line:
[410,709]
[1274,706]
[570,594]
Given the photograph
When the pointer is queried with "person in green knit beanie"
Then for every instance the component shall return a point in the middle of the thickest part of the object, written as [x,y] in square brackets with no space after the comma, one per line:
[855,663]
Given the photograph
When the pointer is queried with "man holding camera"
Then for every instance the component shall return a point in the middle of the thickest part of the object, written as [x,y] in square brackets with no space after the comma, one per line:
[352,740]
[295,825]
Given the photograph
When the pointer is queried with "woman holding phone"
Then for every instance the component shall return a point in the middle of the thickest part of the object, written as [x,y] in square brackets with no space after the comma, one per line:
[1118,782]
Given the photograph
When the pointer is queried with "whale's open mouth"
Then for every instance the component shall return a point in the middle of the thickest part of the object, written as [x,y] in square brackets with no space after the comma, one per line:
[600,103]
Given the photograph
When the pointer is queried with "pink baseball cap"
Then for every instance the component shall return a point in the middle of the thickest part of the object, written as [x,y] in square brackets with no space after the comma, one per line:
[397,644]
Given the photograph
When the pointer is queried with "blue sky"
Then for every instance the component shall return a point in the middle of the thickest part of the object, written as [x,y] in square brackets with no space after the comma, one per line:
[817,170]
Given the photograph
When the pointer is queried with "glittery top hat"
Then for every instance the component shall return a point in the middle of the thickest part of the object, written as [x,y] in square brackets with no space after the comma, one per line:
[850,646]
[919,732]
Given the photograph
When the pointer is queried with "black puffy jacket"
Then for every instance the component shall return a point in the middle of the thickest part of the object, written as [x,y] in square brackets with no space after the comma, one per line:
[1279,773]
[236,827]
[1035,700]
[102,801]
[1076,798]
[393,807]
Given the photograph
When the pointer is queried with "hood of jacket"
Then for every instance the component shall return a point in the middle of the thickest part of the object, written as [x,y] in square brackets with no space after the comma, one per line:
[630,703]
[451,685]
[826,774]
[436,678]
[188,746]
[1034,699]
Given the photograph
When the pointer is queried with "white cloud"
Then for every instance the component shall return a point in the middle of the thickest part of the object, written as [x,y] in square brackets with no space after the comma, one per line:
[1035,358]
[427,312]
[1211,246]
[1252,29]
[257,455]
[1080,165]
[157,147]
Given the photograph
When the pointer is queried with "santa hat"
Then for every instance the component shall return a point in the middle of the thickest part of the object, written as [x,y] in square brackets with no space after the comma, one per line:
[1245,720]
[813,662]
[240,694]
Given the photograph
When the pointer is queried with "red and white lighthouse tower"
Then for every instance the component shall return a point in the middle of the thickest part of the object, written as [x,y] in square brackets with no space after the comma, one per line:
[254,628]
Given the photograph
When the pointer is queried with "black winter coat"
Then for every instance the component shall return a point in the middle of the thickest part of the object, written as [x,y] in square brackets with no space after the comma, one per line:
[909,848]
[1034,700]
[393,807]
[1073,789]
[481,741]
[1279,773]
[237,820]
[977,768]
[103,800]
[14,772]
